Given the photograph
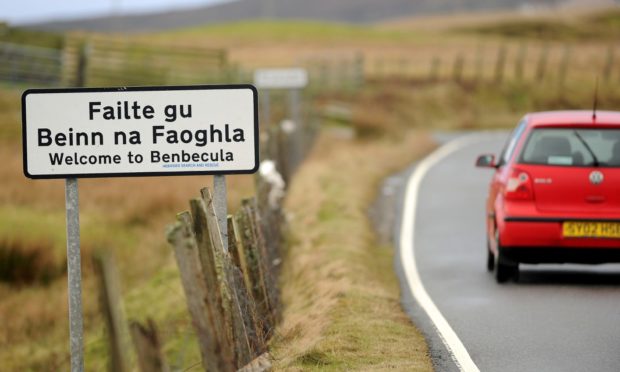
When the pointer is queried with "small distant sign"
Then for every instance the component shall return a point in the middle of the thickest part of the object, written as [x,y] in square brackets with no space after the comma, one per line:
[147,131]
[281,78]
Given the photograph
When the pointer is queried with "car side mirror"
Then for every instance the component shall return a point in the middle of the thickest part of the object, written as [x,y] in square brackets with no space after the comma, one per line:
[486,161]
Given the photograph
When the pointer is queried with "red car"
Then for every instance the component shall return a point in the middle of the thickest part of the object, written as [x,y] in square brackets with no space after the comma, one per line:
[555,194]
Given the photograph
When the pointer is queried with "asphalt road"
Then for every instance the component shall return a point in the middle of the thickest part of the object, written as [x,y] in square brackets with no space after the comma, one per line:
[556,318]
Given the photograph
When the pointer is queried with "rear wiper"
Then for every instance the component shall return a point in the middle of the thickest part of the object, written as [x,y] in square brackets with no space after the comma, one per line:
[594,158]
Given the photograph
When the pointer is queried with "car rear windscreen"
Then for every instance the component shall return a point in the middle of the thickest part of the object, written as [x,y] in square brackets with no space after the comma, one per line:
[579,147]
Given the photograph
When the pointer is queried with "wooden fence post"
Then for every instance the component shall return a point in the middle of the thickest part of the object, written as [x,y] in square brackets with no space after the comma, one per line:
[520,62]
[231,294]
[257,268]
[243,287]
[222,61]
[403,68]
[609,64]
[479,63]
[235,247]
[268,254]
[434,71]
[564,66]
[323,74]
[233,315]
[112,311]
[212,268]
[284,147]
[457,72]
[82,65]
[344,78]
[246,341]
[182,238]
[383,68]
[500,64]
[148,347]
[541,68]
[358,71]
[269,197]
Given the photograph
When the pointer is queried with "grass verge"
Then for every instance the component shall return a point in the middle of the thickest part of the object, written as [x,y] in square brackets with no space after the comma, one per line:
[340,292]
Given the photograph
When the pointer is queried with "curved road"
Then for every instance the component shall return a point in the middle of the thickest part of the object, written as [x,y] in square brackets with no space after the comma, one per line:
[556,318]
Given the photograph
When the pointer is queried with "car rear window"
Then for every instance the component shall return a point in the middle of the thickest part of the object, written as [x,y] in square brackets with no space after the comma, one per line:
[578,147]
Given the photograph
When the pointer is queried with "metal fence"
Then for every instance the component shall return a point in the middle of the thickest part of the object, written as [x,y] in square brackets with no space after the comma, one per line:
[116,62]
[28,64]
[111,62]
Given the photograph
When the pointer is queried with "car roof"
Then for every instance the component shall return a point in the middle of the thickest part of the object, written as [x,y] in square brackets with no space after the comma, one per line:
[572,118]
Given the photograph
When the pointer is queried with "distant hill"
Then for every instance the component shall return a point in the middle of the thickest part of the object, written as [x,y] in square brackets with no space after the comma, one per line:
[353,11]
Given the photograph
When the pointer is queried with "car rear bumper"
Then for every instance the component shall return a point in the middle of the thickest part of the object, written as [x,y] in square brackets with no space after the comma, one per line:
[534,255]
[542,241]
[547,233]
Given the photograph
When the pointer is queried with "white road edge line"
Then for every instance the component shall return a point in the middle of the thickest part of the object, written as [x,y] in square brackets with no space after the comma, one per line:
[450,339]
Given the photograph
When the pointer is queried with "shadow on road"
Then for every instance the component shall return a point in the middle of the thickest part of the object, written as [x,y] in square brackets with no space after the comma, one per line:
[573,276]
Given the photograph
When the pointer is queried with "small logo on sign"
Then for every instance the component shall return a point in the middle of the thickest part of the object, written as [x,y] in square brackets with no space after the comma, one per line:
[596,178]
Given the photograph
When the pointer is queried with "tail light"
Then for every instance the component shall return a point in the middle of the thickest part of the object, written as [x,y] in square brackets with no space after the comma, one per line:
[519,186]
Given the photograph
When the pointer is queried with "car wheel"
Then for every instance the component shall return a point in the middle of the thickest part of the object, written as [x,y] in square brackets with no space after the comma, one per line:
[490,258]
[504,268]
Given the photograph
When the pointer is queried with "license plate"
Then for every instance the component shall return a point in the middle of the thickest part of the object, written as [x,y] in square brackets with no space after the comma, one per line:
[582,229]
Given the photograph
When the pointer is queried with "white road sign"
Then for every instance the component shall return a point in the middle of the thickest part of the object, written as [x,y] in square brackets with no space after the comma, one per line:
[150,131]
[281,78]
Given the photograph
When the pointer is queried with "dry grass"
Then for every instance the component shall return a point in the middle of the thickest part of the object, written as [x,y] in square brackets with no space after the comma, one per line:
[126,217]
[340,293]
[415,42]
[10,115]
[23,263]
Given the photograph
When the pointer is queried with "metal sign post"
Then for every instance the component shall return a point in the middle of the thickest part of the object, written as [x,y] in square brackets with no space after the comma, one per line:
[266,103]
[295,114]
[74,275]
[293,80]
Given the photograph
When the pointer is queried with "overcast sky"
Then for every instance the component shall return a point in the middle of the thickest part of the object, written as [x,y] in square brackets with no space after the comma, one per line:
[27,11]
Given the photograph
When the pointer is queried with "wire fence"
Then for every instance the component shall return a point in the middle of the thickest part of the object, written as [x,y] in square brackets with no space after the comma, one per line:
[111,62]
[501,62]
[29,64]
[117,62]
